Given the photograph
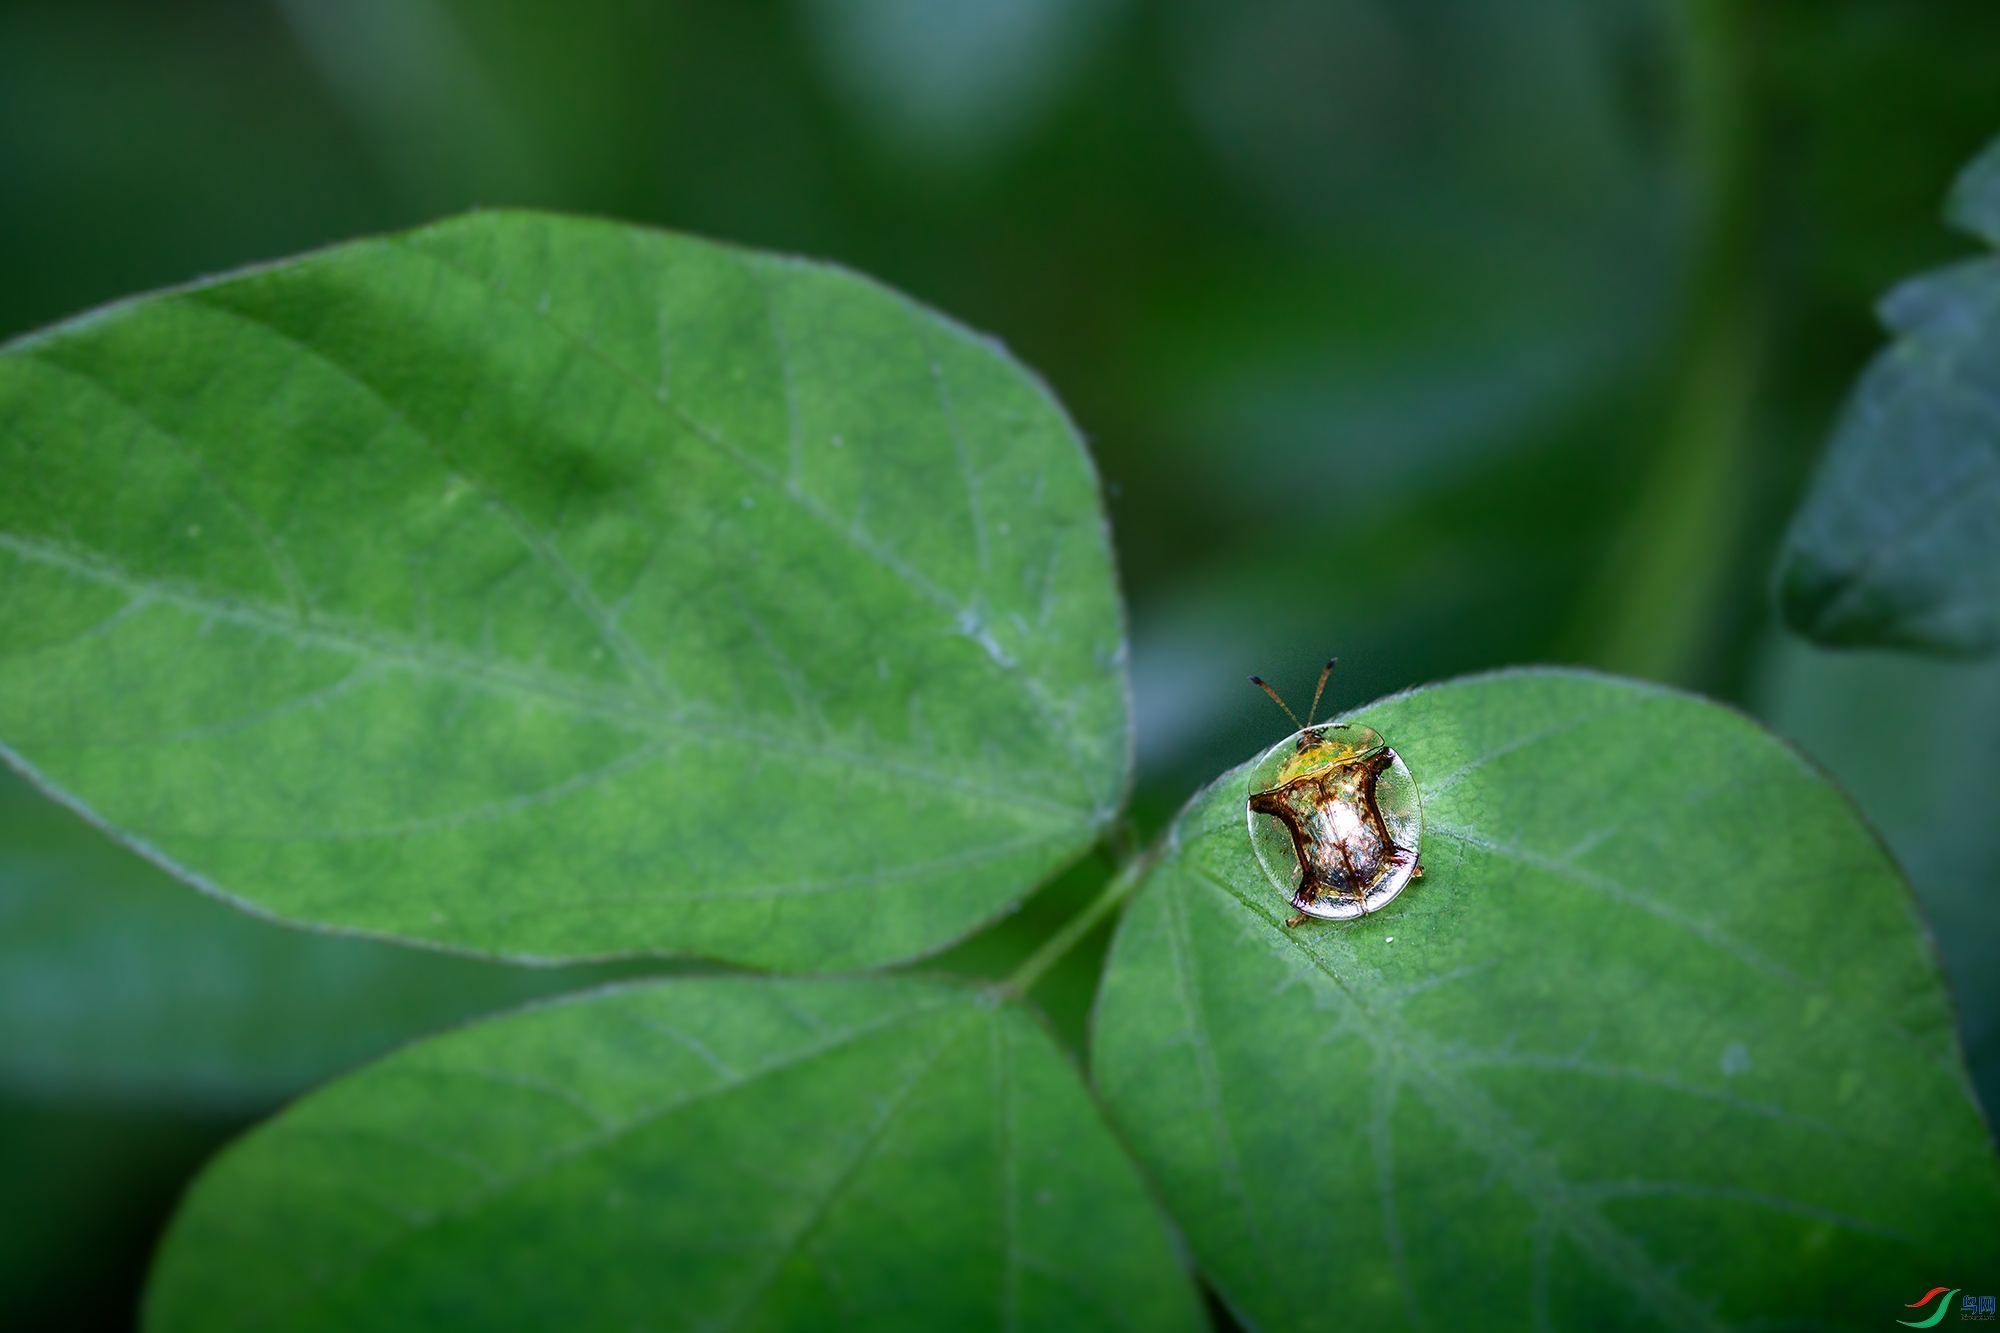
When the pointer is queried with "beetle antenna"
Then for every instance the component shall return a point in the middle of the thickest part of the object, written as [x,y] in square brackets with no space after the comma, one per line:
[1258,681]
[1320,689]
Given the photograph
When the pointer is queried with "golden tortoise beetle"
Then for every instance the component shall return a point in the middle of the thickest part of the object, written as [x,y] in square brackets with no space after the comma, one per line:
[1334,815]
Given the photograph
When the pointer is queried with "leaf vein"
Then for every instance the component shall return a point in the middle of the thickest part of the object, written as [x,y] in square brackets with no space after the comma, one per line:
[872,1141]
[614,708]
[1487,1130]
[478,1201]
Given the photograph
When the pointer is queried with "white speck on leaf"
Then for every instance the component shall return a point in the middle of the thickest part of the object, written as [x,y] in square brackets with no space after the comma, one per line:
[1735,1059]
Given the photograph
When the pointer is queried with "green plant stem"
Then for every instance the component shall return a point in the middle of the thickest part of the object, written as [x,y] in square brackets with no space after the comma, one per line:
[1656,609]
[1661,607]
[1120,886]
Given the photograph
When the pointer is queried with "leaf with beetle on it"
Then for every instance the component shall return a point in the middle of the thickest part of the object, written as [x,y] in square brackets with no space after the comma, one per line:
[1898,542]
[1657,1040]
[552,588]
[734,1153]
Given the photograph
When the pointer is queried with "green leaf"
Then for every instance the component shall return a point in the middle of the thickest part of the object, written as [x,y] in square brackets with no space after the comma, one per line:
[1898,542]
[708,1153]
[118,985]
[552,588]
[1657,1041]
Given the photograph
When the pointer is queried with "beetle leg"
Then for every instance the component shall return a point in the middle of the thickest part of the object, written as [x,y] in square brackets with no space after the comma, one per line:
[1294,922]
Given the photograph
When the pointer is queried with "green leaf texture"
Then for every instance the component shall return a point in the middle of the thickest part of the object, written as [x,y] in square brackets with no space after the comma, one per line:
[1898,542]
[553,588]
[1656,1042]
[716,1153]
[119,986]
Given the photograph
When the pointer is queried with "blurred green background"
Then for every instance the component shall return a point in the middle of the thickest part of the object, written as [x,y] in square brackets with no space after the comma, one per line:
[1559,298]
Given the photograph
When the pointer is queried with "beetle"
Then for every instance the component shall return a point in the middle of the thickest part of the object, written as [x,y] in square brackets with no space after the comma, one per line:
[1339,802]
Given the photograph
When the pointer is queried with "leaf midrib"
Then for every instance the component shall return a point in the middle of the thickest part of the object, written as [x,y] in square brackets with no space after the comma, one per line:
[565,693]
[760,1288]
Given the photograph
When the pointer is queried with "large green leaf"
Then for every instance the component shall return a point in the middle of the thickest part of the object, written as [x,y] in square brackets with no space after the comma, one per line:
[1657,1041]
[553,588]
[119,985]
[717,1153]
[1898,542]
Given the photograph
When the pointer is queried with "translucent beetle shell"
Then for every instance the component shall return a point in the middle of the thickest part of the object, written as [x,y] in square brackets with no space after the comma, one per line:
[1335,820]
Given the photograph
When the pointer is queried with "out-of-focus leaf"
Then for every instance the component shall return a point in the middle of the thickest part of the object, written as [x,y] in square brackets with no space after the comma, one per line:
[1898,542]
[120,984]
[953,79]
[1656,1041]
[552,588]
[1931,796]
[1395,346]
[403,71]
[734,1153]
